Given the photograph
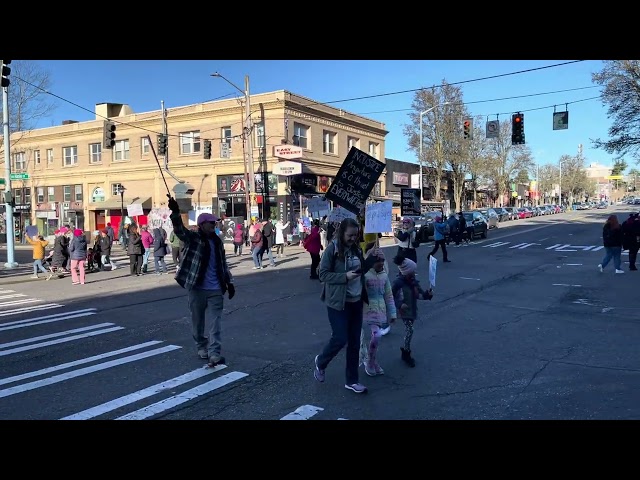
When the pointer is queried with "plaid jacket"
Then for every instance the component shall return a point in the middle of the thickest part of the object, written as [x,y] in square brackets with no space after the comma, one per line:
[195,259]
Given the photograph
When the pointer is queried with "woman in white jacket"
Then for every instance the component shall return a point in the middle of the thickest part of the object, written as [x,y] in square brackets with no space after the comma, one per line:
[280,241]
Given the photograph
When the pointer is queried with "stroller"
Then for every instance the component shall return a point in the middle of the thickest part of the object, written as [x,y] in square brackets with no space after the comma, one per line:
[94,260]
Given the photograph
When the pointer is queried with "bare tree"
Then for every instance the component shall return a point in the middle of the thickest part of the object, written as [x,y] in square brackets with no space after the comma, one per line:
[574,180]
[476,159]
[441,129]
[548,176]
[522,176]
[28,101]
[506,159]
[621,81]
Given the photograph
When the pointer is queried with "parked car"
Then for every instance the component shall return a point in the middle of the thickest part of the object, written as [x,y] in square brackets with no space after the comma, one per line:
[477,225]
[503,214]
[491,217]
[513,213]
[524,212]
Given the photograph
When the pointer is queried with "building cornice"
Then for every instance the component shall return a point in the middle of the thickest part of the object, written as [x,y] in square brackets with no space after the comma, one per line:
[334,121]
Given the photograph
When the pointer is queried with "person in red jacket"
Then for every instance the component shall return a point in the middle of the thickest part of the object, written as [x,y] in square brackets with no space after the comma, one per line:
[313,245]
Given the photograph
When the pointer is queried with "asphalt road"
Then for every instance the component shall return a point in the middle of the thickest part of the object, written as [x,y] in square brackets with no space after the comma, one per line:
[522,326]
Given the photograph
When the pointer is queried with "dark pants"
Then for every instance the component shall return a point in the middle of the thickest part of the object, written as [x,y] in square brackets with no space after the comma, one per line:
[175,255]
[345,325]
[409,253]
[440,243]
[633,255]
[135,262]
[315,261]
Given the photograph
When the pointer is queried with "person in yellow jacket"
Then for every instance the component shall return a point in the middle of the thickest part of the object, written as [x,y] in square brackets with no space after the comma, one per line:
[39,244]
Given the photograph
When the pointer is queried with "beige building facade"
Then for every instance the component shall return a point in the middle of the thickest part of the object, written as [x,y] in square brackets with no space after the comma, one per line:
[73,179]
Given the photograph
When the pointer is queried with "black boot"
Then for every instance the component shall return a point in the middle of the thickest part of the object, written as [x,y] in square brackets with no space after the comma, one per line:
[406,357]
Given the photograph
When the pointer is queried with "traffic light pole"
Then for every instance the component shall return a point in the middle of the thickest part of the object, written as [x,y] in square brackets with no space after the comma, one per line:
[11,263]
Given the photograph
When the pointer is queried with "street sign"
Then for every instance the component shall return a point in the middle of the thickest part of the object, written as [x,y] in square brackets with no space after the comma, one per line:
[560,120]
[287,168]
[615,177]
[224,150]
[287,152]
[493,127]
[1,181]
[19,176]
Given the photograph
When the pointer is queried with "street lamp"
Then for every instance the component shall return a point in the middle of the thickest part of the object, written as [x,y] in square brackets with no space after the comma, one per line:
[422,114]
[247,131]
[121,190]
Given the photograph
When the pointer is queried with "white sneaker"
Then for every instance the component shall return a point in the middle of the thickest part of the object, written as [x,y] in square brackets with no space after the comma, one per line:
[619,271]
[386,330]
[600,268]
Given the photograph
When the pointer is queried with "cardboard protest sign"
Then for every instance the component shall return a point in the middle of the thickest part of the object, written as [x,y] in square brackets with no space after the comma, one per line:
[355,180]
[410,202]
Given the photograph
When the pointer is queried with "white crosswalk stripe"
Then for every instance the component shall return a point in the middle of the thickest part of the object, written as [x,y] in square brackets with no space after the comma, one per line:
[184,397]
[558,247]
[305,412]
[30,330]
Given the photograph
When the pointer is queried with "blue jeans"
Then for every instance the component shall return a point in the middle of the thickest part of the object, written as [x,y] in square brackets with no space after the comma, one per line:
[257,258]
[160,265]
[346,326]
[145,258]
[612,252]
[37,264]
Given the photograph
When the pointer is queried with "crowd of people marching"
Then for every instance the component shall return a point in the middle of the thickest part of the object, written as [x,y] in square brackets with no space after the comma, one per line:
[72,254]
[362,295]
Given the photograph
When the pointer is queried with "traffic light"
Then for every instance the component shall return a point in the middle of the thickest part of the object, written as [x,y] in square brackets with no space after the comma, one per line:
[207,149]
[109,134]
[162,144]
[5,73]
[467,129]
[517,129]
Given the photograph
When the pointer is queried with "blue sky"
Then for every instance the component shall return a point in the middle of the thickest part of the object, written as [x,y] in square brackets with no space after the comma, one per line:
[144,83]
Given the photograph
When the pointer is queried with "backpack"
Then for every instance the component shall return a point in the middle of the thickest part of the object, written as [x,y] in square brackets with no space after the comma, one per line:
[333,259]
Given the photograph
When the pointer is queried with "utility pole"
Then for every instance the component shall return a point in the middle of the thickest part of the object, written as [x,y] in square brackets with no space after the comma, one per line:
[249,136]
[165,132]
[11,263]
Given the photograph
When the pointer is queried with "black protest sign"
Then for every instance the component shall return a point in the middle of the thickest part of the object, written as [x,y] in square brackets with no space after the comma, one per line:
[410,202]
[355,180]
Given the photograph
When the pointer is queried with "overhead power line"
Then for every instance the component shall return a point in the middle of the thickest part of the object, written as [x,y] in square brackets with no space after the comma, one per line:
[491,100]
[399,92]
[115,120]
